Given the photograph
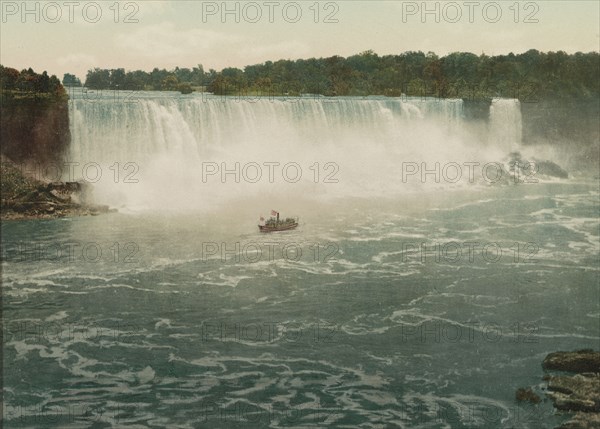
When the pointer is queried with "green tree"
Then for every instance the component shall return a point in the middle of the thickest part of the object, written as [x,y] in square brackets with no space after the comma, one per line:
[98,79]
[170,83]
[117,79]
[8,78]
[71,80]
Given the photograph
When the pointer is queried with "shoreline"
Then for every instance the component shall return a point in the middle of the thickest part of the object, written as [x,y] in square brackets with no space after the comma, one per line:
[60,212]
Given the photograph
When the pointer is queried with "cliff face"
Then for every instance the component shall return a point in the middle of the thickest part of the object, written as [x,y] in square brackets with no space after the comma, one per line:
[573,120]
[571,124]
[34,130]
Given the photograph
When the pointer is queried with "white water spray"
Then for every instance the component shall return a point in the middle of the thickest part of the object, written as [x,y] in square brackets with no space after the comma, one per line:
[344,147]
[505,125]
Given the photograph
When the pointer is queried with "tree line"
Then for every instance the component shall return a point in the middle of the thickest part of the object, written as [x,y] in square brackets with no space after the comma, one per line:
[27,82]
[529,75]
[457,75]
[179,79]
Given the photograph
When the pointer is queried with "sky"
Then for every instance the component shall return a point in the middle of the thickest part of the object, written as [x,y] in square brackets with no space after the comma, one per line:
[75,36]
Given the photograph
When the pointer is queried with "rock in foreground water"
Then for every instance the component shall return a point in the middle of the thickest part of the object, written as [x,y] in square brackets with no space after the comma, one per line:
[578,362]
[579,392]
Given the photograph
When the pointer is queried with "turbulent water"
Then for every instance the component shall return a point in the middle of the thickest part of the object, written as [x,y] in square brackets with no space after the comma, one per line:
[400,301]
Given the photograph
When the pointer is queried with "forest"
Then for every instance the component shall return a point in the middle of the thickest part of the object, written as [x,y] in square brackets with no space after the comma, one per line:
[530,76]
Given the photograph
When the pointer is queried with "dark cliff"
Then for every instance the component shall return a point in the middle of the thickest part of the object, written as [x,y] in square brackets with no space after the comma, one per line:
[569,123]
[34,130]
[564,122]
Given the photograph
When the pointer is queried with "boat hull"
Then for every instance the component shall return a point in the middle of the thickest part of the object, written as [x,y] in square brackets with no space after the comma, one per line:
[265,228]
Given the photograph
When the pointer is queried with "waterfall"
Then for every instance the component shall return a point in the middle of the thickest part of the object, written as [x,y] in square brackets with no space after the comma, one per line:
[505,124]
[168,139]
[199,126]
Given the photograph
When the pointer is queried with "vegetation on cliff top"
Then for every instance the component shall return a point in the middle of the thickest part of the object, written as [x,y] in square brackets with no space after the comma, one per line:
[29,85]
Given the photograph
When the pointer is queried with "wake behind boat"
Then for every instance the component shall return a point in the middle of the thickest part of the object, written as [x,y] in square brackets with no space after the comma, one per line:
[274,224]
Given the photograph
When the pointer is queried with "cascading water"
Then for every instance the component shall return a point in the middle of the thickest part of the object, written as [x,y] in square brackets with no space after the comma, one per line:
[181,148]
[505,124]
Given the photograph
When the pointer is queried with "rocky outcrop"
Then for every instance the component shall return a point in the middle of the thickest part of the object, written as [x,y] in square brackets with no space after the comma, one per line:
[527,395]
[582,421]
[517,170]
[578,392]
[24,197]
[580,361]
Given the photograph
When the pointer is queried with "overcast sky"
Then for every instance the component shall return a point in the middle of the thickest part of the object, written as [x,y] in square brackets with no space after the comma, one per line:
[78,35]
